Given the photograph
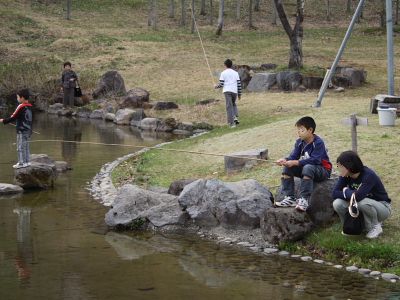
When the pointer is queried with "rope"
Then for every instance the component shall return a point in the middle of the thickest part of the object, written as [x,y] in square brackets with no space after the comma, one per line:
[154,148]
[201,42]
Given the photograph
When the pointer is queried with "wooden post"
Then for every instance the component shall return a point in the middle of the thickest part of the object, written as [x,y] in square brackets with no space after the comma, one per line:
[69,9]
[353,121]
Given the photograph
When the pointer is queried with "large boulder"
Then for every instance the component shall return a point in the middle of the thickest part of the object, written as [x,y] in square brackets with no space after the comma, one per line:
[244,74]
[55,108]
[166,125]
[284,224]
[238,161]
[83,112]
[111,83]
[320,209]
[261,82]
[38,175]
[137,117]
[149,124]
[229,204]
[7,189]
[42,159]
[97,114]
[123,116]
[136,207]
[354,77]
[312,82]
[165,105]
[289,80]
[135,98]
[177,186]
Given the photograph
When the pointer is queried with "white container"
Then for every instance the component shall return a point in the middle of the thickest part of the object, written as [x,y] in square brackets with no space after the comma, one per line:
[387,116]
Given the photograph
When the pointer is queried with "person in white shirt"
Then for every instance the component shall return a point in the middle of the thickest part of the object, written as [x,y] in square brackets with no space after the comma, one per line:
[232,89]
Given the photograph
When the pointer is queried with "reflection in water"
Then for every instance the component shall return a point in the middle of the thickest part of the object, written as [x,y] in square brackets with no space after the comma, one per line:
[24,255]
[71,132]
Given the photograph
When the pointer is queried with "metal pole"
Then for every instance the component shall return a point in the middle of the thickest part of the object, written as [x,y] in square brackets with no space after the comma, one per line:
[389,37]
[338,55]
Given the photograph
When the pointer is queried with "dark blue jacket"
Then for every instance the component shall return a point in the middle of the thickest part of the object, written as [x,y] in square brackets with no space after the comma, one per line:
[23,118]
[367,185]
[316,153]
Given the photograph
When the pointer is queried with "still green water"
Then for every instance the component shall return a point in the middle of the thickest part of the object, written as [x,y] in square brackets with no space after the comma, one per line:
[53,246]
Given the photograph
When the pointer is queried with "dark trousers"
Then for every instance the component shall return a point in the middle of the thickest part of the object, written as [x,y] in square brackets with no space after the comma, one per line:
[69,97]
[231,109]
[317,173]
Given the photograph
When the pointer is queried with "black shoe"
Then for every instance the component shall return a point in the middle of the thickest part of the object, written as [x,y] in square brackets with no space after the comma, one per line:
[236,120]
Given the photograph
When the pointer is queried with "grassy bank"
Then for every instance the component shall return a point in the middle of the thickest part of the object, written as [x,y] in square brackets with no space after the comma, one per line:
[169,62]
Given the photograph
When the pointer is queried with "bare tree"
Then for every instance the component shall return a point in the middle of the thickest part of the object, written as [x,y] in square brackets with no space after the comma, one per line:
[396,20]
[211,13]
[257,5]
[152,19]
[274,13]
[171,9]
[69,9]
[238,2]
[203,7]
[220,24]
[328,10]
[295,34]
[192,15]
[183,13]
[251,26]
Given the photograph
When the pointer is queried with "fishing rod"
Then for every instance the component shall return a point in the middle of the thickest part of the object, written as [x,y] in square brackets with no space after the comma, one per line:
[154,148]
[16,126]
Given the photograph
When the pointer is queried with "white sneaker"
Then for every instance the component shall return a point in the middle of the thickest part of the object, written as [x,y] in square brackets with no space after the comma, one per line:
[375,231]
[302,204]
[18,165]
[232,126]
[288,201]
[25,165]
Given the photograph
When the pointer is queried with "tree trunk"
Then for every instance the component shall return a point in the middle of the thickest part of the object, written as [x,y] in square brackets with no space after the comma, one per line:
[257,5]
[295,34]
[238,10]
[328,10]
[274,13]
[150,17]
[171,9]
[69,9]
[154,14]
[192,15]
[220,24]
[251,14]
[203,7]
[383,14]
[396,20]
[211,13]
[348,6]
[183,13]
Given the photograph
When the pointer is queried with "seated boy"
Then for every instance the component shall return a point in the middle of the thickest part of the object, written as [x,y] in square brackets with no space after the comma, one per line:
[309,161]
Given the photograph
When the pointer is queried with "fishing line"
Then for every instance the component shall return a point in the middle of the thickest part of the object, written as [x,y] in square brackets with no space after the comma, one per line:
[202,45]
[154,148]
[16,126]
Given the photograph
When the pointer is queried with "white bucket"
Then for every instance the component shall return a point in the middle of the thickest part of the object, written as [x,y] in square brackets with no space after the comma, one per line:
[387,116]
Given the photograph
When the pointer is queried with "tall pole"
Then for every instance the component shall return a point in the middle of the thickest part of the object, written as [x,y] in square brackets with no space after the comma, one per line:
[338,55]
[69,9]
[389,37]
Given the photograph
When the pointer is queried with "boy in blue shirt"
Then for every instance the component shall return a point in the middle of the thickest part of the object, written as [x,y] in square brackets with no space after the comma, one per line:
[309,161]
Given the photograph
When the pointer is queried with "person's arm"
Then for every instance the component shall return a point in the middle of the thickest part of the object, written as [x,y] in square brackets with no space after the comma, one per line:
[239,87]
[316,155]
[295,154]
[14,116]
[337,192]
[367,184]
[221,82]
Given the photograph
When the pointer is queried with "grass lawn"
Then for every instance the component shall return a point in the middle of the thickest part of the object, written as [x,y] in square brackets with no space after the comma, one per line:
[169,62]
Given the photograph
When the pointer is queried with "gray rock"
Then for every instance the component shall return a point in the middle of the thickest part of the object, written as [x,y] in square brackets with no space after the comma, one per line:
[42,159]
[83,112]
[389,276]
[284,224]
[352,269]
[134,206]
[111,83]
[137,117]
[110,117]
[181,132]
[320,208]
[165,105]
[306,258]
[65,112]
[41,176]
[238,161]
[364,271]
[97,114]
[166,125]
[7,189]
[150,124]
[135,99]
[339,89]
[261,82]
[268,66]
[355,77]
[206,101]
[177,186]
[62,166]
[289,80]
[375,273]
[186,126]
[283,253]
[244,74]
[312,82]
[123,116]
[270,250]
[295,256]
[231,205]
[319,261]
[55,108]
[338,266]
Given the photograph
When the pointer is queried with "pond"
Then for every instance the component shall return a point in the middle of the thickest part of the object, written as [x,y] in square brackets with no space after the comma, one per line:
[54,244]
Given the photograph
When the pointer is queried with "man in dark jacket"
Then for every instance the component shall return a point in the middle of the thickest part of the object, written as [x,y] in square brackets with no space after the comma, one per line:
[68,81]
[23,118]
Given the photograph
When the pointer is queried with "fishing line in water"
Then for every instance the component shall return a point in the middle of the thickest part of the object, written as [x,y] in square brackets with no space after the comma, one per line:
[155,148]
[202,45]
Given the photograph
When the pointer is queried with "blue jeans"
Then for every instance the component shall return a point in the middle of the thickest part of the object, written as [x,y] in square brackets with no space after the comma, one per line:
[316,173]
[23,147]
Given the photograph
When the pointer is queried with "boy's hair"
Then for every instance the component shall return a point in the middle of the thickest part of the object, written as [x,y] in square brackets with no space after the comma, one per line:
[24,93]
[307,122]
[228,63]
[67,63]
[351,161]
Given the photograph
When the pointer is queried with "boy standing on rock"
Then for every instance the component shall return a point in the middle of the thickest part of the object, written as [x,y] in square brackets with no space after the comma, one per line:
[68,81]
[232,89]
[309,161]
[23,117]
